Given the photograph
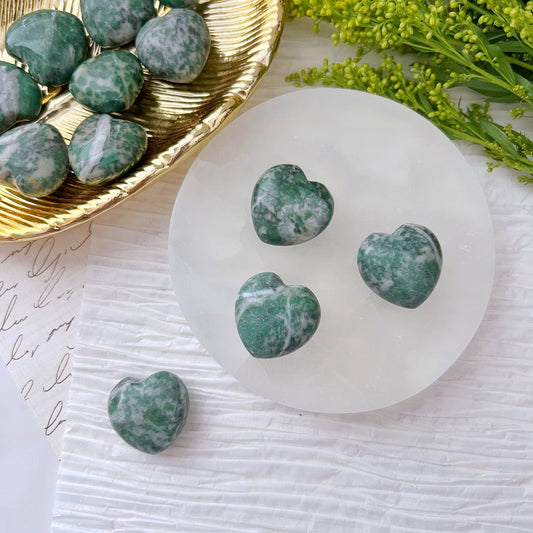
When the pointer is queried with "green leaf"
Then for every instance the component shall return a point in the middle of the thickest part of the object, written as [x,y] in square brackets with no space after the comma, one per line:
[496,36]
[509,98]
[424,102]
[493,93]
[480,34]
[486,88]
[497,135]
[514,47]
[503,64]
[508,45]
[525,83]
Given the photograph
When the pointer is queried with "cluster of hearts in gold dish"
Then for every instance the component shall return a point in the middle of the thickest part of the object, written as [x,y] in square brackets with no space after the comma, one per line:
[53,45]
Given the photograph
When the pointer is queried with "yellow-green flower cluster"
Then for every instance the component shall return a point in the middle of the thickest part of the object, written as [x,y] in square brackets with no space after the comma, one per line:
[486,45]
[447,33]
[512,16]
[422,92]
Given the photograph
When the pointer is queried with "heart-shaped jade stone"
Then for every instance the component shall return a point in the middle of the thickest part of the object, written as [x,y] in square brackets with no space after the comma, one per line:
[20,96]
[103,148]
[149,415]
[34,159]
[116,22]
[403,267]
[51,42]
[174,47]
[287,208]
[274,319]
[109,82]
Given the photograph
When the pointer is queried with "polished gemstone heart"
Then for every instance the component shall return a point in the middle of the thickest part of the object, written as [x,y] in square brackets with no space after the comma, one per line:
[109,82]
[103,148]
[287,208]
[274,319]
[149,415]
[116,22]
[34,159]
[174,47]
[52,43]
[403,267]
[20,96]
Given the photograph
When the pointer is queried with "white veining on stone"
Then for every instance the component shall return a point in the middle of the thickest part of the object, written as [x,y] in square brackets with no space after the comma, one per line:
[9,94]
[101,135]
[436,254]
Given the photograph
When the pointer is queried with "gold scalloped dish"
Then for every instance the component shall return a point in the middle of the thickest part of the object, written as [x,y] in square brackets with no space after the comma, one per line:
[177,118]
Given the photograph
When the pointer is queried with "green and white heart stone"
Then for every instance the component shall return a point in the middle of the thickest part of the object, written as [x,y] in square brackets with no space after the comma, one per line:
[103,148]
[174,47]
[274,319]
[403,267]
[149,415]
[52,43]
[116,22]
[289,209]
[109,82]
[34,159]
[20,96]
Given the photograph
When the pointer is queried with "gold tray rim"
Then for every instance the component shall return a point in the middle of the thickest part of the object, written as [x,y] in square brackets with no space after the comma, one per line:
[222,115]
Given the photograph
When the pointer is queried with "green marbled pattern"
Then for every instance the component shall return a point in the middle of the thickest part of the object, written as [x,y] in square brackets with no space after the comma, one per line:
[115,22]
[403,267]
[20,96]
[109,82]
[34,159]
[287,208]
[174,47]
[52,44]
[274,319]
[103,148]
[149,415]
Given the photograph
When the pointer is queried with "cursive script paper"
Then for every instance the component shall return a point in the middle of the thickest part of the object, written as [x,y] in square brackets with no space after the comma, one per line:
[41,284]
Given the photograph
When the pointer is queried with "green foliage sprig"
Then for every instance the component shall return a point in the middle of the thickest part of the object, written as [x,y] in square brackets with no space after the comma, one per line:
[459,43]
[459,36]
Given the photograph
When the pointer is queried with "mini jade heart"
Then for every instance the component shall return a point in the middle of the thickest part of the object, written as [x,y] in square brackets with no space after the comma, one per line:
[149,415]
[274,319]
[51,42]
[287,208]
[34,159]
[117,22]
[174,47]
[109,82]
[20,96]
[403,267]
[103,148]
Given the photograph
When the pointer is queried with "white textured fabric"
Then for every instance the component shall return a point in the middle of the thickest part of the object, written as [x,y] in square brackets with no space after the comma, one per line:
[456,457]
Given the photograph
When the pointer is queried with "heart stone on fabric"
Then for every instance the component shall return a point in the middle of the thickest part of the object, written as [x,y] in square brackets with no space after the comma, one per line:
[149,415]
[289,209]
[402,267]
[274,319]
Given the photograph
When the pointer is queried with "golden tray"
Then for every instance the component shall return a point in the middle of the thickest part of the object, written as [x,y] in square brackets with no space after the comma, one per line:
[177,118]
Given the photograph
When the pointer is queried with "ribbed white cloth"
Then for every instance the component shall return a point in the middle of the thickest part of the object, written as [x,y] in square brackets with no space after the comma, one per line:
[456,457]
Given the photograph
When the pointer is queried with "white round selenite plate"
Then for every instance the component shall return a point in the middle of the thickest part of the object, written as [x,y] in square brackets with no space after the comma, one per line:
[385,166]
